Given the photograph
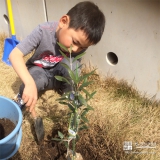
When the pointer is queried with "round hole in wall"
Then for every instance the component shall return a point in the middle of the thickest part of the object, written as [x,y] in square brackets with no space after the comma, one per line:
[111,58]
[6,19]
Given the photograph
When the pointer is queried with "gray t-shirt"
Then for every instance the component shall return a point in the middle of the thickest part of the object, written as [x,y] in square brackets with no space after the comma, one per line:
[44,41]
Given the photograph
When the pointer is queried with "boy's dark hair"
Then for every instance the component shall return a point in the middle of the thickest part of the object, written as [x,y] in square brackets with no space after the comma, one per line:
[88,17]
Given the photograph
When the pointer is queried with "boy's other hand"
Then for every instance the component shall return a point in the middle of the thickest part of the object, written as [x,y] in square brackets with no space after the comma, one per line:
[30,96]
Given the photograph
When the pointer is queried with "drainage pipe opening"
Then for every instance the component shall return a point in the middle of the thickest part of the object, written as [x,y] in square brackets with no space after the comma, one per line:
[6,19]
[111,58]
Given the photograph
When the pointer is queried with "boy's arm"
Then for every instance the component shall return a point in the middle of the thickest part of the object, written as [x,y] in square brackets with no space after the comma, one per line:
[30,90]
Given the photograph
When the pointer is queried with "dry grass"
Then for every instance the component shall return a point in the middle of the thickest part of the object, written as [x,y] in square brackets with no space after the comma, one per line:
[120,114]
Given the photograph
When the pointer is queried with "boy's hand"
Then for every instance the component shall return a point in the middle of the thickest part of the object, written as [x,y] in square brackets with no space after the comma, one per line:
[30,96]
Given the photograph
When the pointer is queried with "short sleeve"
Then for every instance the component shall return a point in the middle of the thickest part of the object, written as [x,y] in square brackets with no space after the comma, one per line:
[31,42]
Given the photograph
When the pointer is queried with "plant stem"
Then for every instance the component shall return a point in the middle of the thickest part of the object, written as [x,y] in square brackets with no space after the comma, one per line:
[70,58]
[74,147]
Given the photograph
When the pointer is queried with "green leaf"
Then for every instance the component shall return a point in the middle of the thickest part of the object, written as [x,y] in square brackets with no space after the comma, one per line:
[82,100]
[74,103]
[56,139]
[89,96]
[76,74]
[69,113]
[86,76]
[60,78]
[65,96]
[92,94]
[69,105]
[85,84]
[83,127]
[79,56]
[80,66]
[66,144]
[60,135]
[62,46]
[71,73]
[64,55]
[84,119]
[89,107]
[61,99]
[84,112]
[65,65]
[77,137]
[86,92]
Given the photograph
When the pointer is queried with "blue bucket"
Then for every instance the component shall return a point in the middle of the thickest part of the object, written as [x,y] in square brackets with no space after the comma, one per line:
[11,143]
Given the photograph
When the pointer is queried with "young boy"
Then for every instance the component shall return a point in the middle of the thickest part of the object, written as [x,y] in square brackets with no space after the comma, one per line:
[81,27]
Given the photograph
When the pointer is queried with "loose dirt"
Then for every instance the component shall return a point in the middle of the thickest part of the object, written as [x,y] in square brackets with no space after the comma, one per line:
[6,127]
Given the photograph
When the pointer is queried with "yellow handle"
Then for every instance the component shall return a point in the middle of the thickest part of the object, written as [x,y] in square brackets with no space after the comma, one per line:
[9,6]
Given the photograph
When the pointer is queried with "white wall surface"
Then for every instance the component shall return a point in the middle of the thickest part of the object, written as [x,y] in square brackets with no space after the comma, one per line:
[3,10]
[132,32]
[27,14]
[58,8]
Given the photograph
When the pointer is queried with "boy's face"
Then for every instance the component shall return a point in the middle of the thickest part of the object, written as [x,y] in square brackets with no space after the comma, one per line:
[68,36]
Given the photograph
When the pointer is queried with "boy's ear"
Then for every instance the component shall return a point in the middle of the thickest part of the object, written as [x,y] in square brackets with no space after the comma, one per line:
[64,21]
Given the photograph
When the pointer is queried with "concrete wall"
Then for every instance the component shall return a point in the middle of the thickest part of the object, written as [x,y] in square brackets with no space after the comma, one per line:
[27,14]
[132,36]
[3,10]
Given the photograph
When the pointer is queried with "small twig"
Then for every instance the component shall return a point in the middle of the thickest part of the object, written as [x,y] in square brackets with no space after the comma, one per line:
[48,155]
[68,146]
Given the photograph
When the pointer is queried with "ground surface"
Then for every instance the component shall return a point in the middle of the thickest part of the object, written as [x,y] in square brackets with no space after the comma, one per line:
[122,116]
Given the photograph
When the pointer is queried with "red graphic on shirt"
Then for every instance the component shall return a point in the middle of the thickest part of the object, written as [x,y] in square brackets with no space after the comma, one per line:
[47,60]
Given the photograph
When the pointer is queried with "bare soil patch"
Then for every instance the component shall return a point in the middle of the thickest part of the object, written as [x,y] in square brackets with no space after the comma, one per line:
[6,127]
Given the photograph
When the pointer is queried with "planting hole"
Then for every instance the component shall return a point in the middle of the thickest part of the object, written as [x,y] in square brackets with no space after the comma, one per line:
[6,19]
[111,58]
